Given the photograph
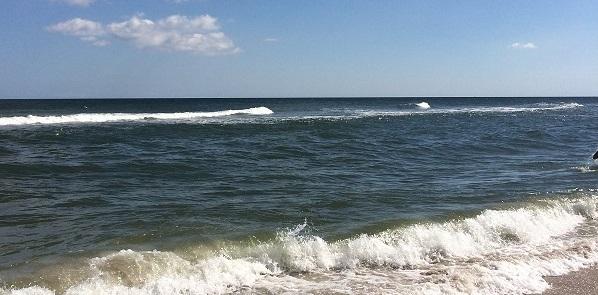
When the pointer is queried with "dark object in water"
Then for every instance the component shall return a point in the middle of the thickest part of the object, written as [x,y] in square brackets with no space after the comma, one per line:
[595,156]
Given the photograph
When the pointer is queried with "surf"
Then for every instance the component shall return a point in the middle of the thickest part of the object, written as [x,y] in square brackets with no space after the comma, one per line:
[210,117]
[423,105]
[470,110]
[424,109]
[506,250]
[123,117]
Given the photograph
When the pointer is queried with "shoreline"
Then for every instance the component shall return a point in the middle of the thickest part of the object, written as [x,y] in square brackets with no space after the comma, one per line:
[583,281]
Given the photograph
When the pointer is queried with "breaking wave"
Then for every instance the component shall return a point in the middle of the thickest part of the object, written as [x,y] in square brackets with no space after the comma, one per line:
[348,114]
[215,117]
[473,110]
[117,117]
[500,251]
[423,105]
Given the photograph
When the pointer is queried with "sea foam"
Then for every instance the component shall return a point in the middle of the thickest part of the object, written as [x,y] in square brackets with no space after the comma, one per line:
[471,110]
[348,114]
[505,251]
[423,105]
[210,117]
[116,117]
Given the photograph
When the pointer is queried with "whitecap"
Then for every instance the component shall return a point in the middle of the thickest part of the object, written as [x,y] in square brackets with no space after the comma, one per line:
[118,117]
[500,251]
[423,105]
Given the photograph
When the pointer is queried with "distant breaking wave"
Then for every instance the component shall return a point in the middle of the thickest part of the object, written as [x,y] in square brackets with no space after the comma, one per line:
[423,105]
[345,114]
[116,117]
[506,251]
[473,110]
[364,113]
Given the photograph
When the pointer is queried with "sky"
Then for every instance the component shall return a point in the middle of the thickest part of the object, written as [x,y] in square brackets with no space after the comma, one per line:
[283,48]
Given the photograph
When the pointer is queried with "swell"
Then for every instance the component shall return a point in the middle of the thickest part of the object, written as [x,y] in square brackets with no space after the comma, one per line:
[498,251]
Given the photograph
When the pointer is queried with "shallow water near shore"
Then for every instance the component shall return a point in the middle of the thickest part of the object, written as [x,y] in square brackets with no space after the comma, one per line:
[323,196]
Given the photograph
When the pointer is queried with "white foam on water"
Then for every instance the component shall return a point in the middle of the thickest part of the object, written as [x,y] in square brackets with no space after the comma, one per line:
[473,110]
[423,105]
[506,251]
[590,167]
[533,108]
[117,117]
[218,117]
[368,113]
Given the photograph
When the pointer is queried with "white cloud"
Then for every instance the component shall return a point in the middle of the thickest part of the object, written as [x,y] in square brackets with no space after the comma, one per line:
[199,34]
[83,3]
[86,30]
[528,45]
[270,40]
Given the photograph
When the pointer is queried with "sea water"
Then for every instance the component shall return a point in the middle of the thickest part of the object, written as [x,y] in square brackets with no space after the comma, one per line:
[302,195]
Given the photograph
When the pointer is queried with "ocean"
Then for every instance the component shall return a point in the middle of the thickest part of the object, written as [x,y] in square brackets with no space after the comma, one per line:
[296,195]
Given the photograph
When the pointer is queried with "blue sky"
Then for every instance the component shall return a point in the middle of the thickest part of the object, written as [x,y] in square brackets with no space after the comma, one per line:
[252,48]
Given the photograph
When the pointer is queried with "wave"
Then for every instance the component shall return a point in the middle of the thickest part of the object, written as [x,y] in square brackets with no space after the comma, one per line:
[326,115]
[501,251]
[423,105]
[473,110]
[348,114]
[536,108]
[116,117]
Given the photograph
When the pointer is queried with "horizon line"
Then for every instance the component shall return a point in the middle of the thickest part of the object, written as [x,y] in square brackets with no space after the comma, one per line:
[284,97]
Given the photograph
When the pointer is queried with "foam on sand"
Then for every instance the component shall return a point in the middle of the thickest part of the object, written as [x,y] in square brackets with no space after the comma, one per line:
[116,117]
[507,251]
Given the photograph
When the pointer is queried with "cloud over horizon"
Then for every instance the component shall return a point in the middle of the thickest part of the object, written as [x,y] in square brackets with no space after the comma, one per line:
[200,34]
[528,45]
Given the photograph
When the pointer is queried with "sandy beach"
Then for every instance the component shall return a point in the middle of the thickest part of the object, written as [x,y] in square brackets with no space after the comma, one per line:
[584,281]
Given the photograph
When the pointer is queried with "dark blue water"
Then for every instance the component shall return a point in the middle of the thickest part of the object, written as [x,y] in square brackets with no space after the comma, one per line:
[80,179]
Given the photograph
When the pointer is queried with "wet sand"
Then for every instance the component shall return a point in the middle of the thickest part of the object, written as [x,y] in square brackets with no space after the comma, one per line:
[584,281]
